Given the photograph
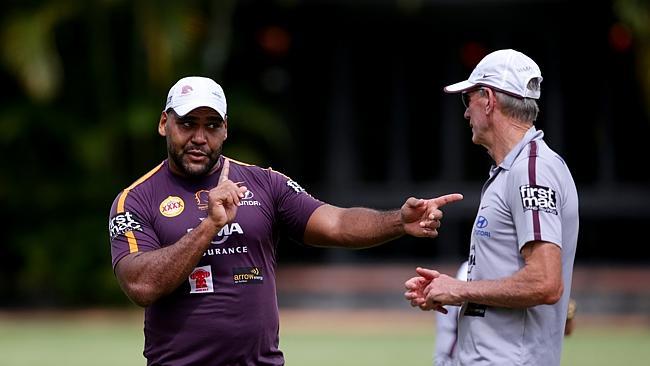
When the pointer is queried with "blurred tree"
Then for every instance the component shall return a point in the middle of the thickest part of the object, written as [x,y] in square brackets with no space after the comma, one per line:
[635,14]
[83,87]
[83,83]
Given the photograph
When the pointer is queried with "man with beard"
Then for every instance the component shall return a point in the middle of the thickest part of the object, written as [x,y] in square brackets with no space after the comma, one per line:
[194,240]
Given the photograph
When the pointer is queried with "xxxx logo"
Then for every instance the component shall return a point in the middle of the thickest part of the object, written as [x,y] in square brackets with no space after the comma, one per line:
[172,206]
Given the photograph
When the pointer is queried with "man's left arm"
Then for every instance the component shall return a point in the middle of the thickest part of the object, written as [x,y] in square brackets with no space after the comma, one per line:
[357,227]
[538,282]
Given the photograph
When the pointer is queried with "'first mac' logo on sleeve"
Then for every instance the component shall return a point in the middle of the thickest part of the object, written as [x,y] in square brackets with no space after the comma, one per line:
[538,198]
[123,223]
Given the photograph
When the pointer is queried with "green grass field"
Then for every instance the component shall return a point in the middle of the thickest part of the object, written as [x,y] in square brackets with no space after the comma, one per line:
[312,338]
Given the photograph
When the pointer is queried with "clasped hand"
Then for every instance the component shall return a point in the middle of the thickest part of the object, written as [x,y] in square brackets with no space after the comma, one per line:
[432,290]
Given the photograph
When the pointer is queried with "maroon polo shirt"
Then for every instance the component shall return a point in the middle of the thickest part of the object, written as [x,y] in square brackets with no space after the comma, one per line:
[226,312]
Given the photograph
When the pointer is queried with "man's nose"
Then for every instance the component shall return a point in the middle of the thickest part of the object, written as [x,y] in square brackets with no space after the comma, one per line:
[199,136]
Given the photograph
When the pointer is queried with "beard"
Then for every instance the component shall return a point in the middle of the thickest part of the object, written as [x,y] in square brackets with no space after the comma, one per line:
[187,168]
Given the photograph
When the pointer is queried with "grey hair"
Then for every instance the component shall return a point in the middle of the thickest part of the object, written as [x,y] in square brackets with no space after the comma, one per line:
[523,109]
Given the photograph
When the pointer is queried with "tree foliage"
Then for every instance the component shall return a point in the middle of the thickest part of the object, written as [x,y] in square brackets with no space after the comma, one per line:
[84,84]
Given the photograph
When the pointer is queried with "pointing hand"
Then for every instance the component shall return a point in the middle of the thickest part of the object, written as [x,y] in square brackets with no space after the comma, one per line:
[223,200]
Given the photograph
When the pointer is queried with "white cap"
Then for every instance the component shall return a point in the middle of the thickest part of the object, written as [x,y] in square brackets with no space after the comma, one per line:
[193,92]
[508,71]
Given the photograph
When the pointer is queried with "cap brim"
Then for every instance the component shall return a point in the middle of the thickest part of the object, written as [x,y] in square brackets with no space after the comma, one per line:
[459,87]
[186,108]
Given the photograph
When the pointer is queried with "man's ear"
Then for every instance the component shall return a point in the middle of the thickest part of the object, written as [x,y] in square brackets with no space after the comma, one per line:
[162,124]
[491,100]
[225,127]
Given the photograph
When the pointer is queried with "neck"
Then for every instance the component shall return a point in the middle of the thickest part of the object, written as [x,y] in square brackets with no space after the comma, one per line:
[508,133]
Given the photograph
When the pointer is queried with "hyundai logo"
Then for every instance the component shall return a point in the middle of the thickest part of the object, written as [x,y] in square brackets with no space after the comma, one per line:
[247,195]
[481,222]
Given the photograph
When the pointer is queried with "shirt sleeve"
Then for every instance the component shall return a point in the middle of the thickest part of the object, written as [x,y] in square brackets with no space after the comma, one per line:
[294,205]
[534,200]
[130,227]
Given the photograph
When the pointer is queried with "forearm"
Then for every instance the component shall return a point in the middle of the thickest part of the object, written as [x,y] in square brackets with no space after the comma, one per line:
[518,291]
[355,228]
[147,276]
[538,282]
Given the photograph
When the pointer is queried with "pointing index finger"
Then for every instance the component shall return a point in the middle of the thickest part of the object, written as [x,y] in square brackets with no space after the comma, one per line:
[448,198]
[225,170]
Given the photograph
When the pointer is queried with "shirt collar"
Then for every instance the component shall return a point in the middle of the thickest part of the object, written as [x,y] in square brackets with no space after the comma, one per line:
[531,134]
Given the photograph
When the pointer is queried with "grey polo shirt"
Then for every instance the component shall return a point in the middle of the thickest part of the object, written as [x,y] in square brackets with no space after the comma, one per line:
[530,196]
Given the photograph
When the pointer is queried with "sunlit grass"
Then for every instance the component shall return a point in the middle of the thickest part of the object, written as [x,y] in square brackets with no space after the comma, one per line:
[311,338]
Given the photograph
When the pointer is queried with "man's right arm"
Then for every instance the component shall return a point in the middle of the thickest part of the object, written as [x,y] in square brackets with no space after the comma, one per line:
[358,227]
[146,276]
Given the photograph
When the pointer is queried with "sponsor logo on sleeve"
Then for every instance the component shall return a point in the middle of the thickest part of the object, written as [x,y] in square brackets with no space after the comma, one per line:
[122,223]
[201,280]
[295,186]
[247,275]
[172,206]
[538,198]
